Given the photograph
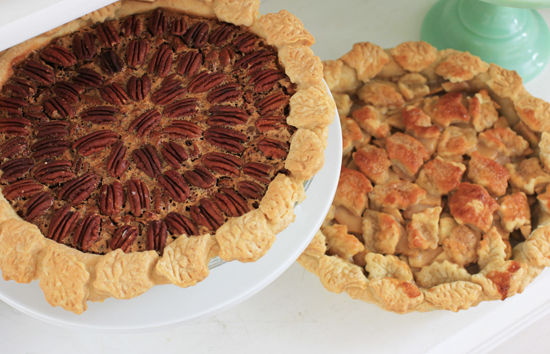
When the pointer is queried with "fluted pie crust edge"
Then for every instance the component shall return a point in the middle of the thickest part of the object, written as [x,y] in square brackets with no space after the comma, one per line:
[69,278]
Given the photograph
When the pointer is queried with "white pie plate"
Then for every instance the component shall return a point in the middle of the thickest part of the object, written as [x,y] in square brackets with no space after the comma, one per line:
[226,286]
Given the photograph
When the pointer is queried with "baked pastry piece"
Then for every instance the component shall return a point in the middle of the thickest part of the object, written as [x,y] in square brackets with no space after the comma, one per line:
[443,198]
[143,139]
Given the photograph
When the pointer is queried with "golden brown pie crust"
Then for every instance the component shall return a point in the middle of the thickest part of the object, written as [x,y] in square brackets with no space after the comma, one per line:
[421,124]
[70,278]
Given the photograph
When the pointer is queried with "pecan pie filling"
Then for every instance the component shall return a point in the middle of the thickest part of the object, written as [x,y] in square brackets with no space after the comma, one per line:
[129,133]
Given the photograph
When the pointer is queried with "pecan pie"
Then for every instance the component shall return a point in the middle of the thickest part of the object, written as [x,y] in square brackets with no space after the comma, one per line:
[443,198]
[140,141]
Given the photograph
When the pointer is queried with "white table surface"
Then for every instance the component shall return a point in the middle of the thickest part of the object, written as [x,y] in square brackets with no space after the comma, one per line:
[295,314]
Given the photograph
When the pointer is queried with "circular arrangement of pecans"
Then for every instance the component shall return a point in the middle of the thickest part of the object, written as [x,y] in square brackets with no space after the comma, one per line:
[131,132]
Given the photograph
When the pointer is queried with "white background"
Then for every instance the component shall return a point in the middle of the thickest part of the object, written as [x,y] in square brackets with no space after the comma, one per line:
[295,314]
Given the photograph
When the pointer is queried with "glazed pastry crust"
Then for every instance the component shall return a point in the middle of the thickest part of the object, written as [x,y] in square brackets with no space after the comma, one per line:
[432,279]
[185,261]
[124,276]
[282,29]
[20,246]
[25,254]
[461,67]
[367,59]
[302,66]
[237,12]
[414,56]
[64,279]
[306,155]
[311,108]
[245,238]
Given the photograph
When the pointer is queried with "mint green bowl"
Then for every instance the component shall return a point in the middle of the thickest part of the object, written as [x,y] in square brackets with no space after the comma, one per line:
[516,38]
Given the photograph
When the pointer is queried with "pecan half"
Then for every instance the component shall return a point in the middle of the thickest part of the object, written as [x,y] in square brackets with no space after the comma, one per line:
[174,185]
[259,171]
[20,88]
[15,169]
[58,171]
[42,73]
[35,112]
[266,124]
[88,78]
[62,224]
[145,122]
[83,47]
[205,81]
[49,148]
[156,236]
[161,62]
[193,149]
[174,154]
[53,129]
[179,26]
[123,238]
[272,102]
[57,108]
[22,189]
[68,91]
[182,108]
[80,166]
[169,91]
[224,164]
[225,93]
[200,177]
[226,56]
[37,206]
[226,115]
[182,129]
[87,232]
[107,34]
[197,35]
[12,105]
[273,148]
[13,147]
[139,88]
[111,198]
[256,59]
[131,26]
[136,52]
[94,142]
[189,63]
[79,189]
[207,214]
[158,23]
[114,94]
[116,165]
[210,60]
[245,42]
[14,126]
[222,34]
[58,55]
[227,139]
[264,80]
[250,190]
[147,160]
[180,225]
[138,196]
[161,202]
[110,62]
[231,203]
[99,114]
